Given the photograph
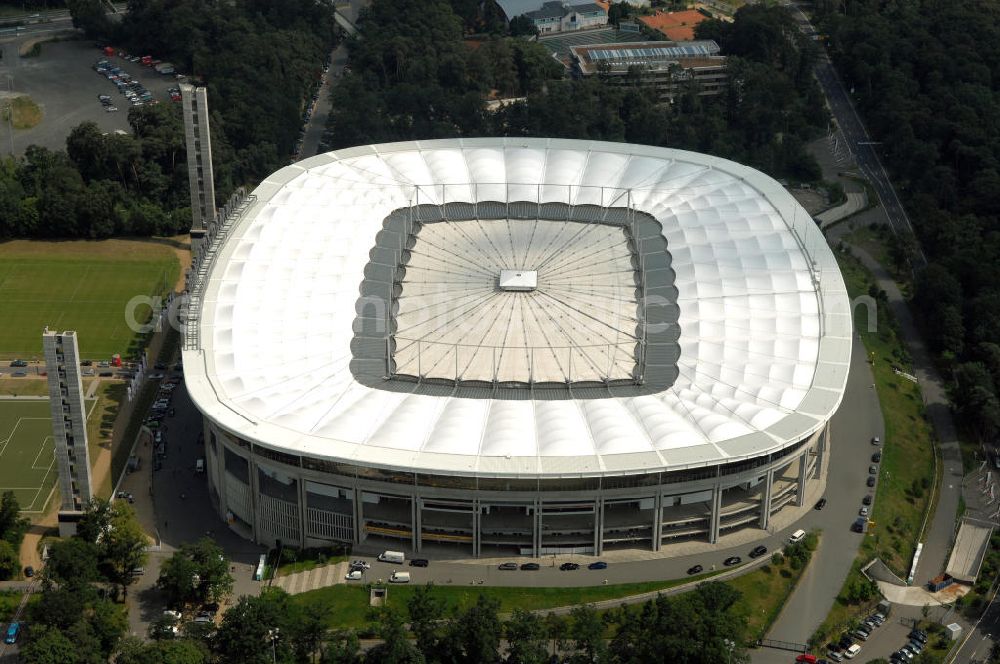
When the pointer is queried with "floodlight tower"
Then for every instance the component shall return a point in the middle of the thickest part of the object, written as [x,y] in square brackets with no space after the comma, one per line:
[69,426]
[198,140]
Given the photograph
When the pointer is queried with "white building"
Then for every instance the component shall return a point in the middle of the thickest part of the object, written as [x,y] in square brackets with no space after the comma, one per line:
[667,369]
[557,16]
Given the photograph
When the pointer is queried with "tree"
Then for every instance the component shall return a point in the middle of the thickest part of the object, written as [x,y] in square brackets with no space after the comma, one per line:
[197,572]
[72,562]
[180,651]
[245,635]
[12,525]
[47,645]
[526,639]
[394,648]
[9,560]
[522,26]
[477,631]
[123,546]
[90,16]
[586,632]
[426,611]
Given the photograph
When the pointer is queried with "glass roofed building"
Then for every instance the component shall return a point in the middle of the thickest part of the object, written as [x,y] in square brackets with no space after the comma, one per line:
[520,346]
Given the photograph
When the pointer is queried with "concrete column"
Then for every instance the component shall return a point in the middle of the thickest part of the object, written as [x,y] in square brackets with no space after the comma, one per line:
[800,494]
[713,520]
[415,504]
[536,530]
[658,520]
[765,500]
[598,526]
[254,492]
[821,445]
[476,534]
[303,517]
[359,517]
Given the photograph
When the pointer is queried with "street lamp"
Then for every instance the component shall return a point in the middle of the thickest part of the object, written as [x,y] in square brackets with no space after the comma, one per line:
[273,635]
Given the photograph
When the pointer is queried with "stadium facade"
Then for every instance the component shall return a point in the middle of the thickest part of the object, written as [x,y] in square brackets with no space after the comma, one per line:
[514,345]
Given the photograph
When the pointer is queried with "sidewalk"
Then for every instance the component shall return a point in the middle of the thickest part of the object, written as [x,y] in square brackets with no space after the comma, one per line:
[318,577]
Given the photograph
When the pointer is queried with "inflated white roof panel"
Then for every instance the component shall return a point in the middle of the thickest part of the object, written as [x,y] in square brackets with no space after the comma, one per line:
[765,335]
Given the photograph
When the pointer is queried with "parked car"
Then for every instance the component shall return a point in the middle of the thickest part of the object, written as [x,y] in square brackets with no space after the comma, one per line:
[871,481]
[873,469]
[821,503]
[508,566]
[876,440]
[600,564]
[867,500]
[354,575]
[419,562]
[863,511]
[110,109]
[569,567]
[732,560]
[19,363]
[697,569]
[531,567]
[877,457]
[29,571]
[360,564]
[758,551]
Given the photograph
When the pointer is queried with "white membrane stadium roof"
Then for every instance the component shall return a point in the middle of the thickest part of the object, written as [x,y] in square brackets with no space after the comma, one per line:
[765,327]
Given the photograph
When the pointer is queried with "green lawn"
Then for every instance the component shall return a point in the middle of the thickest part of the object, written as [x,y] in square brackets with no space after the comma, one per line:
[27,465]
[349,603]
[82,286]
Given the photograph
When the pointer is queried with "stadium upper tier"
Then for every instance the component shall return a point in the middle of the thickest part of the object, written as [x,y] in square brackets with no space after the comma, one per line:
[658,309]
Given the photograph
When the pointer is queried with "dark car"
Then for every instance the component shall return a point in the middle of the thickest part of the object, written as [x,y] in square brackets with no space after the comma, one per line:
[531,567]
[877,457]
[867,500]
[758,551]
[419,562]
[569,567]
[29,571]
[87,363]
[697,569]
[858,526]
[821,503]
[18,363]
[871,481]
[507,566]
[600,564]
[19,374]
[732,560]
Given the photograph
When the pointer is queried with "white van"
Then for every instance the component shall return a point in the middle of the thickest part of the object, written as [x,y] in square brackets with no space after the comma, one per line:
[797,536]
[399,577]
[853,651]
[392,557]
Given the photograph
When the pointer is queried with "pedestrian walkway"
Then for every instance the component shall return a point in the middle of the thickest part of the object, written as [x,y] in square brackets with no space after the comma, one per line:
[318,577]
[856,201]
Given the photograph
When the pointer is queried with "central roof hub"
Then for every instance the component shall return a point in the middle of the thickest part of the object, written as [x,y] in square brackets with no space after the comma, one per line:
[518,280]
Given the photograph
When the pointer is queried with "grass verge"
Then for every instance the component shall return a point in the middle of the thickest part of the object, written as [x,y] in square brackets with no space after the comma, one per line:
[26,113]
[349,603]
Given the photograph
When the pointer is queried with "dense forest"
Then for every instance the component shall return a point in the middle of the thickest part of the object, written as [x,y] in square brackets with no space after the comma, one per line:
[924,73]
[261,64]
[412,77]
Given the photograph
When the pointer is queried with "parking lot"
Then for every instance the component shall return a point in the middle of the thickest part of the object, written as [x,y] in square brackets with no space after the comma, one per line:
[63,82]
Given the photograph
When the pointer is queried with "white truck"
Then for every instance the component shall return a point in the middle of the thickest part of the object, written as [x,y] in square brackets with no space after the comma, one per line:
[397,557]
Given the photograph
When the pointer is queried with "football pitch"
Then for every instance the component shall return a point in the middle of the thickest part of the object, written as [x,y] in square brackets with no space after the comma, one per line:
[27,464]
[77,286]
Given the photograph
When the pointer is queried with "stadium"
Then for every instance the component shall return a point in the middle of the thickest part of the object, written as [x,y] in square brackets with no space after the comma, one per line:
[497,346]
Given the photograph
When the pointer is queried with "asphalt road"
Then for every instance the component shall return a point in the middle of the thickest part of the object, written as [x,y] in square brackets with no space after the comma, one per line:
[338,59]
[866,152]
[858,419]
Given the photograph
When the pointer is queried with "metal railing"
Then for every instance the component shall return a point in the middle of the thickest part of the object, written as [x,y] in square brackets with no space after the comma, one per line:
[203,255]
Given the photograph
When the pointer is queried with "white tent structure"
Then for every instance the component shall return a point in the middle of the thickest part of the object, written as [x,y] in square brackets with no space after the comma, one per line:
[762,326]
